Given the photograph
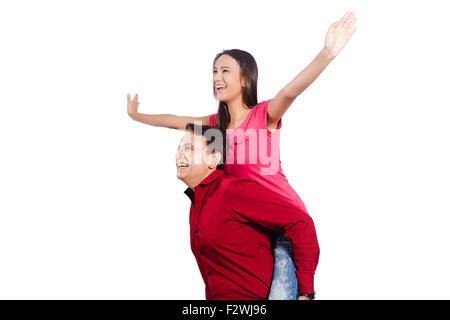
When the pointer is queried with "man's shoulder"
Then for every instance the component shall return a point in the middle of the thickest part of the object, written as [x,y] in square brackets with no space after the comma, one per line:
[226,180]
[229,182]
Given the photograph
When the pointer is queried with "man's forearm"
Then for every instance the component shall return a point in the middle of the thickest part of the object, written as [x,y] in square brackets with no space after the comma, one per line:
[305,252]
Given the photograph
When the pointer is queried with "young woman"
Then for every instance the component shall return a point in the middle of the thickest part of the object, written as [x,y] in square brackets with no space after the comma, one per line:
[235,87]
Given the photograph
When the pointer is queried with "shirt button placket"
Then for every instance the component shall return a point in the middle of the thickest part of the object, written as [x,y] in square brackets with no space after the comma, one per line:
[196,239]
[210,285]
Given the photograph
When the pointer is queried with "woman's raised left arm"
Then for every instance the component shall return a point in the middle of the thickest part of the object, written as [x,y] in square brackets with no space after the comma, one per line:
[338,34]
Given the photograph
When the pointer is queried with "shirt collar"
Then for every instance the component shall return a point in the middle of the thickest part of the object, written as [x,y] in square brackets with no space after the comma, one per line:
[216,174]
[190,193]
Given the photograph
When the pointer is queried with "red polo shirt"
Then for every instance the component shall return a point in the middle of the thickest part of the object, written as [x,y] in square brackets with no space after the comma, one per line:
[231,221]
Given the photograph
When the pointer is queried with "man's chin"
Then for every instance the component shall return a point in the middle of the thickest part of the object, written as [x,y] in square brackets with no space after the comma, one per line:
[182,174]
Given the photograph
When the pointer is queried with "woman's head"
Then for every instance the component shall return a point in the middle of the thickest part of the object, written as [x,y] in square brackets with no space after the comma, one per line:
[235,74]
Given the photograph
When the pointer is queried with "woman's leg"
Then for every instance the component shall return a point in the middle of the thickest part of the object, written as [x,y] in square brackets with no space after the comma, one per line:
[284,281]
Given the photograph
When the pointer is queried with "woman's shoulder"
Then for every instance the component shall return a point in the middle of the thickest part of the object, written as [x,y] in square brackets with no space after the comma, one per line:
[213,120]
[259,114]
[262,105]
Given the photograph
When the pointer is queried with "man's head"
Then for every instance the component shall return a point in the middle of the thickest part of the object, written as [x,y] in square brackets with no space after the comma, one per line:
[201,151]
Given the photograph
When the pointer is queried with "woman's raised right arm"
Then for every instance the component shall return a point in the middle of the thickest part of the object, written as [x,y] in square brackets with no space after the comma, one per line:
[161,120]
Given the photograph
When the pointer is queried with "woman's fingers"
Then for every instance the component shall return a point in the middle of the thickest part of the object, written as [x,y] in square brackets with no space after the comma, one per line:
[339,33]
[346,21]
[135,99]
[351,23]
[348,15]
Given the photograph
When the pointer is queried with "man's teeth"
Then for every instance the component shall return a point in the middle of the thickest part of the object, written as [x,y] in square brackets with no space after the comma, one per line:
[182,165]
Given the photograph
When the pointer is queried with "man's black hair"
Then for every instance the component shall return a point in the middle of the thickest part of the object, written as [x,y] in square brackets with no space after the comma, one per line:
[216,140]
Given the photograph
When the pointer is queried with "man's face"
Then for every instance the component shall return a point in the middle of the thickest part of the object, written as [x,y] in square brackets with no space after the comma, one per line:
[192,159]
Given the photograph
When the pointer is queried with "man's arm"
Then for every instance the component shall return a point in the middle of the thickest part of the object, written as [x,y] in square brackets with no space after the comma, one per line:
[254,203]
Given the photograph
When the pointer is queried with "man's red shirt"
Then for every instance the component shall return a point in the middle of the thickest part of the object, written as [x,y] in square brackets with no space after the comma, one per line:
[231,222]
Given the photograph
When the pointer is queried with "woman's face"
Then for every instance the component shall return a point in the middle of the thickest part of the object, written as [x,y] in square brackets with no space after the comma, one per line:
[227,79]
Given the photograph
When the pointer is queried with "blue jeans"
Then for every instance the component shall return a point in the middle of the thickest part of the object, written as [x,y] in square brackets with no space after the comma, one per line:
[284,280]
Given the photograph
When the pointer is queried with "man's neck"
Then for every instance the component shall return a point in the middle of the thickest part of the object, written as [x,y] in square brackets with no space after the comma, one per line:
[192,183]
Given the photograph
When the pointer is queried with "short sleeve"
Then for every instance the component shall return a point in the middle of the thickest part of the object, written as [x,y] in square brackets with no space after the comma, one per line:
[213,120]
[261,114]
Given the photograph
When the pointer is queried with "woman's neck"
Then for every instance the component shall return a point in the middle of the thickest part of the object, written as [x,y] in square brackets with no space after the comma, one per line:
[238,112]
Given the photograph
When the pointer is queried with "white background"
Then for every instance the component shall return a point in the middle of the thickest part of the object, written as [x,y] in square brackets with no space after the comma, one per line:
[90,207]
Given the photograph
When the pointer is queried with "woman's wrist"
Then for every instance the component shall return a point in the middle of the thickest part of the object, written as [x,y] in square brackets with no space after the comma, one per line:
[327,54]
[132,114]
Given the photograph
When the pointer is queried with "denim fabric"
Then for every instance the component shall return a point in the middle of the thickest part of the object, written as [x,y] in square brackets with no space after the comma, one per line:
[284,281]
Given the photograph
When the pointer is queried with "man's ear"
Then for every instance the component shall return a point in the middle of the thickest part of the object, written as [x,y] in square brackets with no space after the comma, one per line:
[215,160]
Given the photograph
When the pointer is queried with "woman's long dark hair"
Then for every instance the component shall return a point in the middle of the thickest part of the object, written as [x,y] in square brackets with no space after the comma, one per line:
[249,71]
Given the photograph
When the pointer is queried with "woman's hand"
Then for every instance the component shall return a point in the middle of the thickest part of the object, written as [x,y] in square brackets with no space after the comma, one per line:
[339,33]
[132,105]
[161,120]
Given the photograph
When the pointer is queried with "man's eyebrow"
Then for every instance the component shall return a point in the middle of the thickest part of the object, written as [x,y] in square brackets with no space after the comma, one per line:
[184,145]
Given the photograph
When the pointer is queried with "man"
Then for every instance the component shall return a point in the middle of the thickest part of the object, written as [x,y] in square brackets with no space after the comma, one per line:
[231,221]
